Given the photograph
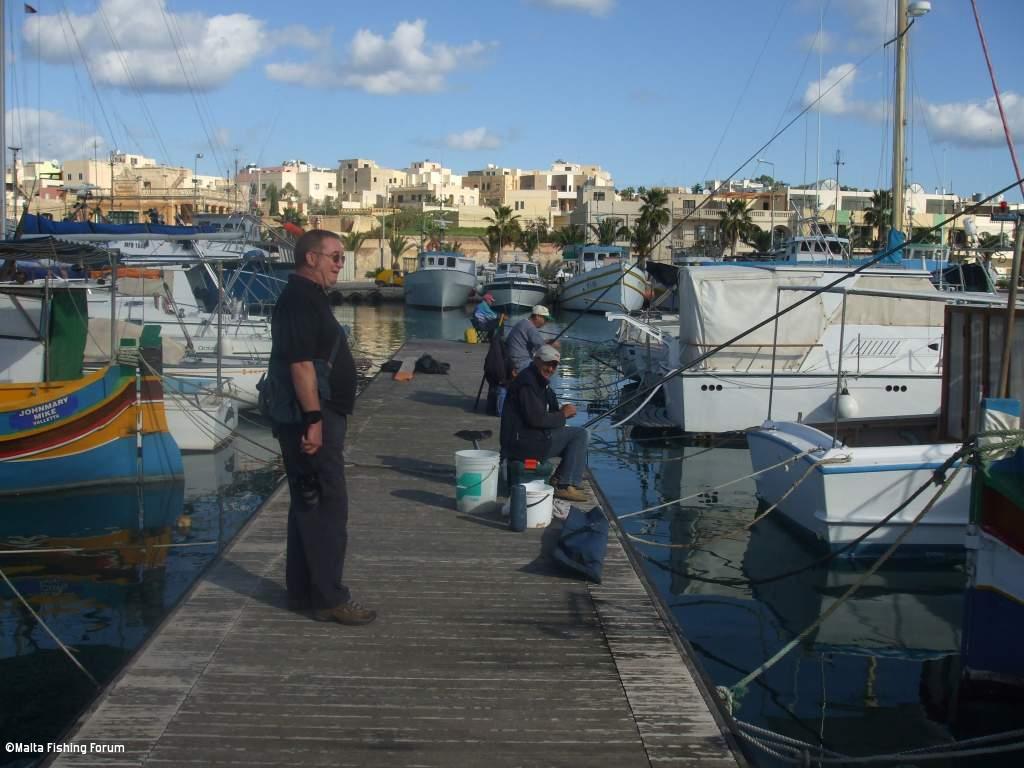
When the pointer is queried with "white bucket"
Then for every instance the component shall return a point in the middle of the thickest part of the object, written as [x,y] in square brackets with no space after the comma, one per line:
[476,480]
[539,496]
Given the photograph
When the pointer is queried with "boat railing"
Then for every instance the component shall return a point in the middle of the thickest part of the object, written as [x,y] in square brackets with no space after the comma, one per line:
[749,354]
[635,323]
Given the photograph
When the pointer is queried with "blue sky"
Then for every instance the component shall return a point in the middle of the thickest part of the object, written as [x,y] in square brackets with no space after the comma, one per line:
[658,92]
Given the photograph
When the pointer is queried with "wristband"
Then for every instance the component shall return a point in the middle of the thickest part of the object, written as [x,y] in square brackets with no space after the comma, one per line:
[312,417]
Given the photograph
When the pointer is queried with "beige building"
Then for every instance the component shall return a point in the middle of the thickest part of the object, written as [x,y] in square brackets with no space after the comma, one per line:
[493,183]
[364,182]
[564,180]
[309,182]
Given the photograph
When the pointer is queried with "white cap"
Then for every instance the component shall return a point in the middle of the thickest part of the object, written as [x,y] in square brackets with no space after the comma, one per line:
[547,354]
[540,310]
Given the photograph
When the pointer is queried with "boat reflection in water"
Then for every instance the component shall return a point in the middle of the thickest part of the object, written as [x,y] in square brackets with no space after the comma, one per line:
[856,683]
[93,566]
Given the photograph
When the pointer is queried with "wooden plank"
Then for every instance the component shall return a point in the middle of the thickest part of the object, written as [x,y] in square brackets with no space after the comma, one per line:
[485,652]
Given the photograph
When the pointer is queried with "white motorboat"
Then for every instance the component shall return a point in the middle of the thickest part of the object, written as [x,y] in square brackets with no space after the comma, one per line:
[183,302]
[849,490]
[198,417]
[602,279]
[879,333]
[441,280]
[643,343]
[516,285]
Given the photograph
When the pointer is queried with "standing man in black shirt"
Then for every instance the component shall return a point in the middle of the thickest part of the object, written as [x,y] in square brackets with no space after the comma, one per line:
[306,337]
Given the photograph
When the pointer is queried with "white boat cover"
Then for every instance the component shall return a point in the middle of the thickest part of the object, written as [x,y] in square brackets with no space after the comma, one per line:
[719,302]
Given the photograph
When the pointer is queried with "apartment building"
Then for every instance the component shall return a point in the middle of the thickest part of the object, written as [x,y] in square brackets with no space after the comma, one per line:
[494,184]
[365,183]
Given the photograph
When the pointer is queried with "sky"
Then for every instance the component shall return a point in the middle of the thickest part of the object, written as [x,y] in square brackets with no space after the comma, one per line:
[658,92]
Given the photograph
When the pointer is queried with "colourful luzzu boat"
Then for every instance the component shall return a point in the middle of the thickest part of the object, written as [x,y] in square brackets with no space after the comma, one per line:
[100,428]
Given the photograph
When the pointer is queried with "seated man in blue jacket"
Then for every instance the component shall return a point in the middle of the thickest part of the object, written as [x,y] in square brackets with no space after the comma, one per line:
[533,425]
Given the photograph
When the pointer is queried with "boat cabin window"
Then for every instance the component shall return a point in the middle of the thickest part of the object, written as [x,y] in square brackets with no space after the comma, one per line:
[451,261]
[835,247]
[805,247]
[589,256]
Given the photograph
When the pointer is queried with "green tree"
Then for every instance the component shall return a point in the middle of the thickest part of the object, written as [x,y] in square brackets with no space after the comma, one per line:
[492,243]
[572,234]
[629,193]
[643,236]
[292,216]
[761,240]
[273,198]
[735,224]
[529,241]
[398,244]
[697,189]
[655,209]
[878,212]
[353,241]
[505,225]
[610,230]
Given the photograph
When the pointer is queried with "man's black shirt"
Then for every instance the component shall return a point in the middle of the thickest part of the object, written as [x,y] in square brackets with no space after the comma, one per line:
[304,329]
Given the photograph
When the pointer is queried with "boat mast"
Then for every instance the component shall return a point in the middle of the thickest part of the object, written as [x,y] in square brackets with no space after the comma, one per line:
[899,116]
[3,125]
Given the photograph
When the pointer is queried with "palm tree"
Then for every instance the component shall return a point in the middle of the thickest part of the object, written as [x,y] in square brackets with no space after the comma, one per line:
[736,223]
[493,245]
[609,230]
[353,241]
[655,208]
[529,241]
[642,238]
[504,223]
[398,244]
[573,234]
[761,240]
[878,213]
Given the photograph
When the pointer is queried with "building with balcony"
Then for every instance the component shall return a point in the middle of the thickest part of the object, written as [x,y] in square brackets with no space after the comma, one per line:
[293,177]
[494,184]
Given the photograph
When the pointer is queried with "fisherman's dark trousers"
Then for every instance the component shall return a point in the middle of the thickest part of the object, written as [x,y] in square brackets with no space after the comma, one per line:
[317,533]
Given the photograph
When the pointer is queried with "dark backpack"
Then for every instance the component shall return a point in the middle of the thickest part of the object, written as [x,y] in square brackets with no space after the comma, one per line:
[584,542]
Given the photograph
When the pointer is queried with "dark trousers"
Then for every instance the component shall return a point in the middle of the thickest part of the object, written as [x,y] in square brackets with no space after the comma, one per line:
[317,535]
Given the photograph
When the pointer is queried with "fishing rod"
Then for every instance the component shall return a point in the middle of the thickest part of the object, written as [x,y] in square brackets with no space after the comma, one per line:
[810,295]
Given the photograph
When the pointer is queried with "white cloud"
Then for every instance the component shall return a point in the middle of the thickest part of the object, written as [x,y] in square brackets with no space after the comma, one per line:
[875,19]
[835,90]
[819,42]
[594,7]
[405,62]
[976,124]
[213,49]
[42,134]
[473,139]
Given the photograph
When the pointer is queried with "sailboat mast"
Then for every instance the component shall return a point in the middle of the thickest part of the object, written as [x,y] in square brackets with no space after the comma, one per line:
[899,117]
[3,123]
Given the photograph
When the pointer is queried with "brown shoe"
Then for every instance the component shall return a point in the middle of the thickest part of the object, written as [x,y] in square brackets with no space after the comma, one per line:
[571,493]
[351,613]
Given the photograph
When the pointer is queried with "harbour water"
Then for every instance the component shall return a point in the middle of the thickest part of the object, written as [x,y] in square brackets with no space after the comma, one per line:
[878,676]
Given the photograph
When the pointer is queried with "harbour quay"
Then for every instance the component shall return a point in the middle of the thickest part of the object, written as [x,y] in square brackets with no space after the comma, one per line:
[485,651]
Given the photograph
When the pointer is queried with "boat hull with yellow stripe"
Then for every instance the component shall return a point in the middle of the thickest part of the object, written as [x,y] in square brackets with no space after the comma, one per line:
[104,428]
[617,287]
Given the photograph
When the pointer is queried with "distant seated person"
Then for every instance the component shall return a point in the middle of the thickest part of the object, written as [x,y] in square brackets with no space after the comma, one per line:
[525,338]
[485,319]
[533,425]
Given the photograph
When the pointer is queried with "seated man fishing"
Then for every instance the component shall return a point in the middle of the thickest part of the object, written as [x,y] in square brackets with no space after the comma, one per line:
[533,425]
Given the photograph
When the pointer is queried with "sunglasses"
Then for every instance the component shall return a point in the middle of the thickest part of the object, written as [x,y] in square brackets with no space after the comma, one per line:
[337,258]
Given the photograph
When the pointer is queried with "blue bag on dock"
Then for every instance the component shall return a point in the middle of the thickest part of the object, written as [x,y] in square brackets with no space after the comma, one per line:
[584,542]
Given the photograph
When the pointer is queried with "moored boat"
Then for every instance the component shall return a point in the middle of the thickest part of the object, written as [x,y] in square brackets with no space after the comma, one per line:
[602,279]
[516,285]
[60,428]
[835,494]
[442,280]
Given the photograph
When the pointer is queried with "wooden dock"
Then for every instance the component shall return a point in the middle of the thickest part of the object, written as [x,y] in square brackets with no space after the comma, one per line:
[485,653]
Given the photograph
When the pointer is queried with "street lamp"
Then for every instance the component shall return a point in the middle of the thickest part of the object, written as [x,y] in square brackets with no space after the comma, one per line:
[195,186]
[771,205]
